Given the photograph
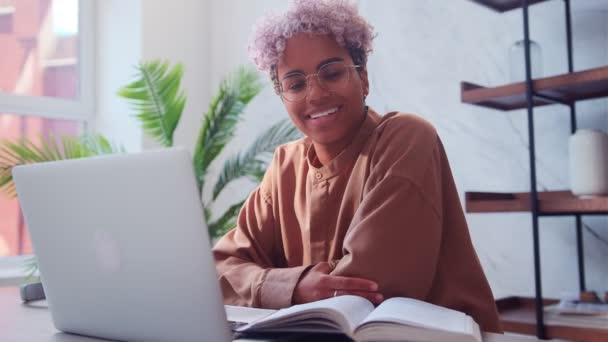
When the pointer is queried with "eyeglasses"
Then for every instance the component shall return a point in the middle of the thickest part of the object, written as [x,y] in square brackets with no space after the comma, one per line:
[331,77]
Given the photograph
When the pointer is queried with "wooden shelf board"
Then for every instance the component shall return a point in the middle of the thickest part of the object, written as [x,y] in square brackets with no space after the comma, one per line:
[570,87]
[504,5]
[549,202]
[518,315]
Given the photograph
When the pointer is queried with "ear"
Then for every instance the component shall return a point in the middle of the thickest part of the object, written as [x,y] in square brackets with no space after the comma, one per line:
[364,81]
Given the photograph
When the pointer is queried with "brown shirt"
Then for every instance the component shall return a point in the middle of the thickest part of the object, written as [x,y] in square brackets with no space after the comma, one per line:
[385,209]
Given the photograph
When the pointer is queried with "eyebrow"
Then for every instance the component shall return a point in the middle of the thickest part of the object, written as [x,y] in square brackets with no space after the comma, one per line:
[322,63]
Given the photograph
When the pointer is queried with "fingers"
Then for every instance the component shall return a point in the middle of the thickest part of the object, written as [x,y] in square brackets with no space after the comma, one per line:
[316,284]
[323,267]
[340,286]
[350,284]
[374,297]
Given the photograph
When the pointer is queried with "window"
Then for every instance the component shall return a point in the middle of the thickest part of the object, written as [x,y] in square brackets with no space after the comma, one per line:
[46,84]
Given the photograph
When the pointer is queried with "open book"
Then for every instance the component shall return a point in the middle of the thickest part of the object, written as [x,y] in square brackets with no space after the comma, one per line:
[396,319]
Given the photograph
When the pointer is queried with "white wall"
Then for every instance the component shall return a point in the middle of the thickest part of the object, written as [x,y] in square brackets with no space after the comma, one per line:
[231,24]
[179,31]
[118,51]
[135,30]
[423,50]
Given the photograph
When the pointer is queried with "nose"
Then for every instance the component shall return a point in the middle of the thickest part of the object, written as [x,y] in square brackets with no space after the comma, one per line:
[315,90]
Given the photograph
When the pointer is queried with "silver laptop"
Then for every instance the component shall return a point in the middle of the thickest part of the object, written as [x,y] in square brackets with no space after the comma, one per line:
[123,247]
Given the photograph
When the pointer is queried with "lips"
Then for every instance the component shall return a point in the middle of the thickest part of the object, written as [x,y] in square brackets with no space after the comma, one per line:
[323,114]
[325,119]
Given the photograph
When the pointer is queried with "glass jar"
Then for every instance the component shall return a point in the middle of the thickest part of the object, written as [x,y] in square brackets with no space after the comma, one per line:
[517,61]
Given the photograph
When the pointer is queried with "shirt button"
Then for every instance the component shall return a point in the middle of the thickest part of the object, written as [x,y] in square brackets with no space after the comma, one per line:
[318,175]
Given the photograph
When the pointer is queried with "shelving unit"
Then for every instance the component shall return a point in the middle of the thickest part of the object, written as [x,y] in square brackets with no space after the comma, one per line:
[526,315]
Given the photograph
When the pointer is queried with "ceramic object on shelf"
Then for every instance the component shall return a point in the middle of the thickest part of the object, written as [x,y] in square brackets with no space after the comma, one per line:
[588,159]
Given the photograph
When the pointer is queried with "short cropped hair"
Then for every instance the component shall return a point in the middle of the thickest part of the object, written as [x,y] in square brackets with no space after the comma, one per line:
[338,18]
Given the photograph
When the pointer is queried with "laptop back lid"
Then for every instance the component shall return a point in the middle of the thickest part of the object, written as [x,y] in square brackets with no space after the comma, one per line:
[123,248]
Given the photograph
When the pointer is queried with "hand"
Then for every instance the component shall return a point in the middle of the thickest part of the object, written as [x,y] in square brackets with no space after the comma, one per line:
[317,284]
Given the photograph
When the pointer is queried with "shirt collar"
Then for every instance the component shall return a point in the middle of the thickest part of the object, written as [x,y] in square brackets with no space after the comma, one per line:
[348,155]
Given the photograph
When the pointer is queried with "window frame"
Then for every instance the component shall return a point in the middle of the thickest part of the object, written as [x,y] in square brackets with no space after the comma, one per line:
[81,109]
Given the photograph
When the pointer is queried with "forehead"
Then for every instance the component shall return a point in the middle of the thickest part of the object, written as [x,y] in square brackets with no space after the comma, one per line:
[304,51]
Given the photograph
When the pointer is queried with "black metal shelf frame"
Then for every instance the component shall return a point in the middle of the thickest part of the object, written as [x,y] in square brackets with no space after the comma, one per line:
[530,95]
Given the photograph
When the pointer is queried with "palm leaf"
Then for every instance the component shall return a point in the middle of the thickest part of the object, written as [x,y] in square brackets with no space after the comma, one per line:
[252,163]
[99,145]
[25,151]
[157,98]
[226,222]
[31,270]
[18,153]
[219,123]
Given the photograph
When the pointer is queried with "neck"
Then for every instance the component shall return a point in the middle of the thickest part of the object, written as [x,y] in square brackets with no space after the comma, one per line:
[326,153]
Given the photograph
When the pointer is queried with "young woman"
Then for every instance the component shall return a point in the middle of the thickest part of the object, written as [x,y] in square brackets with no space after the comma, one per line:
[363,205]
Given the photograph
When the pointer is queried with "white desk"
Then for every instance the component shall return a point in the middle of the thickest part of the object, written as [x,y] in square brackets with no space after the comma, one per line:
[32,322]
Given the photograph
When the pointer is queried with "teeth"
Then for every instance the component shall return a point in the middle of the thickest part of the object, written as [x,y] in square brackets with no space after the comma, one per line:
[318,115]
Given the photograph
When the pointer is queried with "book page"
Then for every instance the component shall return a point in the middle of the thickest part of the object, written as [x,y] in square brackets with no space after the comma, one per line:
[345,311]
[568,307]
[245,314]
[422,314]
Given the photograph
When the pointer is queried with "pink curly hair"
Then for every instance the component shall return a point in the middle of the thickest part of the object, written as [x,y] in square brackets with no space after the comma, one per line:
[338,18]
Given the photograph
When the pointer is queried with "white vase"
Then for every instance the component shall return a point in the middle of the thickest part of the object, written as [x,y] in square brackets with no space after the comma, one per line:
[588,156]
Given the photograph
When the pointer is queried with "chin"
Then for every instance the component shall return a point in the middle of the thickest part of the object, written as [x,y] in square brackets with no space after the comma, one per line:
[326,139]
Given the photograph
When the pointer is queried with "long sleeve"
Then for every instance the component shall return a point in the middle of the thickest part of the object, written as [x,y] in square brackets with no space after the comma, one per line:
[394,239]
[245,257]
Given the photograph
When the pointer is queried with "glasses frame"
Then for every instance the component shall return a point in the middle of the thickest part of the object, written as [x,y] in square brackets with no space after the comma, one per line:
[307,76]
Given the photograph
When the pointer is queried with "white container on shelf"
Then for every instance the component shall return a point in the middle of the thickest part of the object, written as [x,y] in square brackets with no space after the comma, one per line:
[588,157]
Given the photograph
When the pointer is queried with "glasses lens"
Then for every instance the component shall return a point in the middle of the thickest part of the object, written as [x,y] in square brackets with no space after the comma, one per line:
[294,87]
[333,76]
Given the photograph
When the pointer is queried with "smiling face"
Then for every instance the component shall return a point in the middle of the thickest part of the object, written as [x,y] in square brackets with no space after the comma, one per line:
[329,118]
